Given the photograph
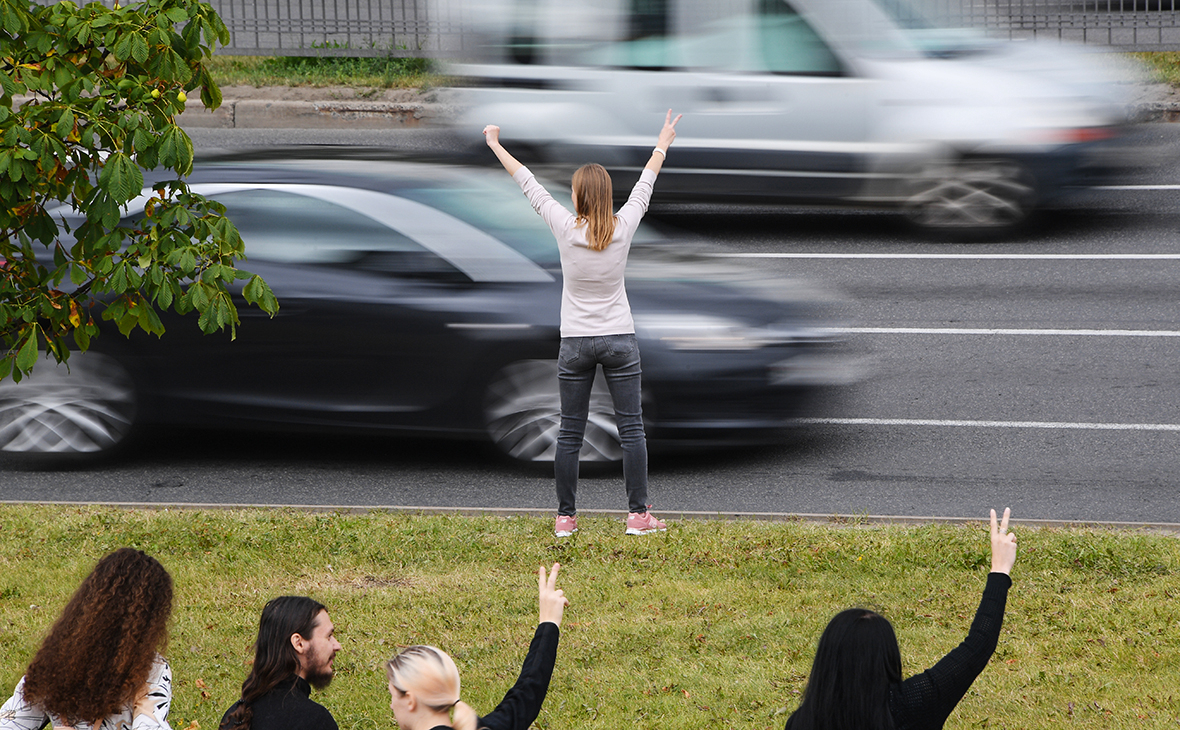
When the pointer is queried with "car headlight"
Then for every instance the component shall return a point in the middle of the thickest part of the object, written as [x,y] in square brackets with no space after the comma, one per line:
[684,331]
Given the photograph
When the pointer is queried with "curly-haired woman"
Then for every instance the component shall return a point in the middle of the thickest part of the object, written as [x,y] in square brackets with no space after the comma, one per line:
[100,666]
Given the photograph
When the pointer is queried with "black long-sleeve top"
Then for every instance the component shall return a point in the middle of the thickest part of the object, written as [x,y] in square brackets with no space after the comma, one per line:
[522,704]
[286,707]
[926,700]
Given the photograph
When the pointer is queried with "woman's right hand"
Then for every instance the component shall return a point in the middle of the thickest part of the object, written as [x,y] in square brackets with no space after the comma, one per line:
[491,134]
[553,600]
[668,133]
[1003,545]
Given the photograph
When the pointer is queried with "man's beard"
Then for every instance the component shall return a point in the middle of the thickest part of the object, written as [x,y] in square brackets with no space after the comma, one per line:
[321,675]
[321,678]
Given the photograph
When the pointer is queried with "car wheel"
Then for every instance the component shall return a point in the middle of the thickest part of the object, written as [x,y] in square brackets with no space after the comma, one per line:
[87,407]
[969,196]
[522,411]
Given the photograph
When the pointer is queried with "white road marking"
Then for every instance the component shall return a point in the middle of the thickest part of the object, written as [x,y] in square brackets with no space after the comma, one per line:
[965,331]
[1135,187]
[962,256]
[992,424]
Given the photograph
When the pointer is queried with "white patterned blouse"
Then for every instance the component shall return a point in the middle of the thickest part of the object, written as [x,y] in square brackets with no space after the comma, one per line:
[16,714]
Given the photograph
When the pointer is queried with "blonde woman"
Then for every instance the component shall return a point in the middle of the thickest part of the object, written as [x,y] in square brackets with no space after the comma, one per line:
[424,688]
[596,323]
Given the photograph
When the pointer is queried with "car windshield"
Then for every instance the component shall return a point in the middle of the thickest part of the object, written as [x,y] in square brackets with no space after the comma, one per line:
[502,211]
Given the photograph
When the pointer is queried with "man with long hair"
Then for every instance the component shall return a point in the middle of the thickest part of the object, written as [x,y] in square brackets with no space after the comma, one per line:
[294,651]
[100,665]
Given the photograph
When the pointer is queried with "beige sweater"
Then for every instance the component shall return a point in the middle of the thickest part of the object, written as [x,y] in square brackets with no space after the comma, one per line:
[593,296]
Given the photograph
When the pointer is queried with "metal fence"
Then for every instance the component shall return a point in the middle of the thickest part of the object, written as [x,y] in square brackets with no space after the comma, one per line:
[1125,25]
[432,28]
[338,27]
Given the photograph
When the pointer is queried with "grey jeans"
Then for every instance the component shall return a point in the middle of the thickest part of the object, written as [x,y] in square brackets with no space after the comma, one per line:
[577,364]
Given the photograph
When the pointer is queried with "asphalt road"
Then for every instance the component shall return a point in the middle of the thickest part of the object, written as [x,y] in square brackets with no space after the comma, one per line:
[1040,373]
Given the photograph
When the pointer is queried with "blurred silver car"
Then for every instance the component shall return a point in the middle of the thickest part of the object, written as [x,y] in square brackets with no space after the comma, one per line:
[798,101]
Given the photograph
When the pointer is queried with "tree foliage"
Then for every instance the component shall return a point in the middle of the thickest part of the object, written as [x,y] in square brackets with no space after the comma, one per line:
[89,101]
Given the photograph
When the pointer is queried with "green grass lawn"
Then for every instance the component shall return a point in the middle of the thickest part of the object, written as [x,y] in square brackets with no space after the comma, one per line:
[710,625]
[1164,67]
[361,73]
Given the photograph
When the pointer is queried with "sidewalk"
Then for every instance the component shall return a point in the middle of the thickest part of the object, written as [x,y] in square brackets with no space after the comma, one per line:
[297,107]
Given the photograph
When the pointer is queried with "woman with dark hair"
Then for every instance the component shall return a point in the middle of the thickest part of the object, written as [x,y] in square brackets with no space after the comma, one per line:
[596,323]
[855,681]
[100,665]
[424,685]
[294,651]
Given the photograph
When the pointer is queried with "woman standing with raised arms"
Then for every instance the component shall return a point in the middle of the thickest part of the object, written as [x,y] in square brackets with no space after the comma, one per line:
[596,323]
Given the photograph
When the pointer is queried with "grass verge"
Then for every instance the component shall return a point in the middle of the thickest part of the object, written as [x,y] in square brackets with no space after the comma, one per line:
[1163,66]
[362,72]
[712,624]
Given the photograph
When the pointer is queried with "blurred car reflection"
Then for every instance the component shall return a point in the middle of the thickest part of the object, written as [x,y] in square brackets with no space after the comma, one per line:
[424,299]
[797,101]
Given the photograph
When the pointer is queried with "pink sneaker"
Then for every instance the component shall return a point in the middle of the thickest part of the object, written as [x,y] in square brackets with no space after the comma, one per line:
[643,523]
[565,526]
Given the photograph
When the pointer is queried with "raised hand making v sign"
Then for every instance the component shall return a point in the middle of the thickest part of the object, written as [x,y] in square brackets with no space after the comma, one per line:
[1003,545]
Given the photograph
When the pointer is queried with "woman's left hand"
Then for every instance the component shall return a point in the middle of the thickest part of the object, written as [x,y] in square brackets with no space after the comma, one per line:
[491,133]
[552,598]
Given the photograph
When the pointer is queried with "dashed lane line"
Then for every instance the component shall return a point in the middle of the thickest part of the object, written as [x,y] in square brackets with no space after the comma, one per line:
[999,331]
[956,256]
[935,422]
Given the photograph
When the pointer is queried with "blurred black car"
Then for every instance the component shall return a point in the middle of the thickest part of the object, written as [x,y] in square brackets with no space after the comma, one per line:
[424,298]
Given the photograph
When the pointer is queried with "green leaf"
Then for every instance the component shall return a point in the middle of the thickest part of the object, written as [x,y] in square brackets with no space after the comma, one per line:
[121,178]
[127,322]
[258,292]
[199,297]
[117,283]
[205,321]
[65,124]
[149,321]
[122,49]
[170,145]
[27,357]
[210,91]
[82,337]
[139,47]
[164,297]
[7,84]
[176,15]
[77,275]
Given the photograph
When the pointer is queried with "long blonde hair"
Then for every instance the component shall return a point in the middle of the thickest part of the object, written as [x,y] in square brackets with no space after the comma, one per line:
[434,679]
[592,204]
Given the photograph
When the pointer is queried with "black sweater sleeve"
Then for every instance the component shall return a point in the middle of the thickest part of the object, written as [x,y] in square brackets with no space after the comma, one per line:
[927,699]
[522,704]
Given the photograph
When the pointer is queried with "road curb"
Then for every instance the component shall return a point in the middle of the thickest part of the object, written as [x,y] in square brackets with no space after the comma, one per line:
[847,520]
[360,114]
